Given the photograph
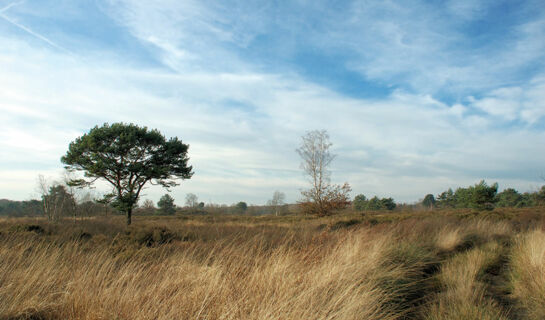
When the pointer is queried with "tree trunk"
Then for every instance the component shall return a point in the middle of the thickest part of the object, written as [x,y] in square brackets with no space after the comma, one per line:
[129,213]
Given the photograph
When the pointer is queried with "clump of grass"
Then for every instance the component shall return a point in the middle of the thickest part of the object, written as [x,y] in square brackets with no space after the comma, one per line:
[469,234]
[528,273]
[27,228]
[462,295]
[449,238]
[344,224]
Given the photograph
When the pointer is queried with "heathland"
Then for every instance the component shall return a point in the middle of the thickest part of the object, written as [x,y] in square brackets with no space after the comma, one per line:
[438,264]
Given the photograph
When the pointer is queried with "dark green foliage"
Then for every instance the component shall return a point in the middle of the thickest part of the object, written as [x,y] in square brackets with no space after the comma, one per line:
[387,203]
[241,207]
[166,205]
[429,201]
[534,199]
[539,197]
[446,199]
[373,204]
[481,196]
[508,198]
[128,156]
[463,197]
[360,202]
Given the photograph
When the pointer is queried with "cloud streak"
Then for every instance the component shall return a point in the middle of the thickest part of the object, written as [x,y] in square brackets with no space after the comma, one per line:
[29,31]
[243,113]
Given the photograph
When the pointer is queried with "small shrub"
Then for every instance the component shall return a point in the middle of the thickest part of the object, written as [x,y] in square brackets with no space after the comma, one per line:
[81,236]
[28,228]
[344,224]
[153,237]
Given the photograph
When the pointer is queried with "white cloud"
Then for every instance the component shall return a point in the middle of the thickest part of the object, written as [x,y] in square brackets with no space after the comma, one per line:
[515,103]
[243,123]
[238,153]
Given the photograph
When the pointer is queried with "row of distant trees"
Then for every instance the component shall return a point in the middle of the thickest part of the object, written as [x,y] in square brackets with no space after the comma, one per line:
[361,203]
[55,204]
[59,200]
[166,206]
[20,208]
[481,196]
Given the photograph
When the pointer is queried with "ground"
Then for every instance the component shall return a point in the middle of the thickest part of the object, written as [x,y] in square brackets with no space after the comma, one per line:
[457,264]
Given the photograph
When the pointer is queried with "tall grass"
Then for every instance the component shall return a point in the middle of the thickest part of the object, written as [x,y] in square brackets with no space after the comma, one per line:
[528,273]
[349,267]
[463,296]
[344,277]
[468,250]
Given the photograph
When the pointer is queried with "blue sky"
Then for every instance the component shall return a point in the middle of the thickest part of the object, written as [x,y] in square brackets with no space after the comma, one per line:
[417,96]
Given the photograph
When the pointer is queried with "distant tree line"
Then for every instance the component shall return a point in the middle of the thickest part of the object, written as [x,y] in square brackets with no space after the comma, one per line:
[61,201]
[20,208]
[56,203]
[361,203]
[481,196]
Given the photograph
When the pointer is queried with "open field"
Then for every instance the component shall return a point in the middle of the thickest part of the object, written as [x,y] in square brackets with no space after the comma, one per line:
[419,265]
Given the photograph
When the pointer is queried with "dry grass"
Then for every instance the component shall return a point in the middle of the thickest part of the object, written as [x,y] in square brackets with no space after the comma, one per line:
[340,278]
[449,238]
[463,295]
[470,248]
[347,267]
[528,273]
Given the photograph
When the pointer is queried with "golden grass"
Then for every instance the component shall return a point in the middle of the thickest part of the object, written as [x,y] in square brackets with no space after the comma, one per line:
[260,268]
[528,273]
[463,295]
[448,238]
[342,279]
[474,246]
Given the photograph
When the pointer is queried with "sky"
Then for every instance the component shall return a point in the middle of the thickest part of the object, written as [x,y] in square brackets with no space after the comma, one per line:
[417,96]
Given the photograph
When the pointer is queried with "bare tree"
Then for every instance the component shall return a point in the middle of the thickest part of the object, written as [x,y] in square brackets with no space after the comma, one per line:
[316,158]
[58,198]
[191,200]
[277,201]
[87,204]
[148,207]
[43,189]
[60,201]
[72,190]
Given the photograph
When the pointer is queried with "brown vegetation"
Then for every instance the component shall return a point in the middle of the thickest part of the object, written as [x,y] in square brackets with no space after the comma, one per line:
[452,265]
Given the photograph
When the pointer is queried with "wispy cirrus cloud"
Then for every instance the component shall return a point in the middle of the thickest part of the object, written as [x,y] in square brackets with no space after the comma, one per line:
[26,29]
[236,81]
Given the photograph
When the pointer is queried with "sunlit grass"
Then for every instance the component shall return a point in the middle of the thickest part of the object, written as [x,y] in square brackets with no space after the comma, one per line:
[345,267]
[528,273]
